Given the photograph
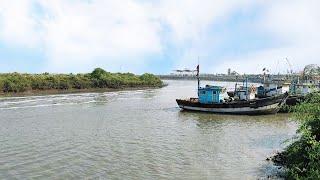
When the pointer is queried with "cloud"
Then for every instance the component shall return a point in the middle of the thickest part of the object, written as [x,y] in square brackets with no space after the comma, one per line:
[78,35]
[82,33]
[190,22]
[18,26]
[293,21]
[295,26]
[273,59]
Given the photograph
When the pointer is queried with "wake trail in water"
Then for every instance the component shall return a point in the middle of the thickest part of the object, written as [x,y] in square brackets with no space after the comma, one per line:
[8,103]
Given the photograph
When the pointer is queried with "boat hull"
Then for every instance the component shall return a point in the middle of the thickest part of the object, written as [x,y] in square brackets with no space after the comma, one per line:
[270,105]
[292,100]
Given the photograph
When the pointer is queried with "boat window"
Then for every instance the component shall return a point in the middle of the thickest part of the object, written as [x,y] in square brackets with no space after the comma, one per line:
[203,92]
[214,92]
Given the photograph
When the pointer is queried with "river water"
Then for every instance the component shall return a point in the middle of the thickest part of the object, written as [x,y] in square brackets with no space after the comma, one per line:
[134,135]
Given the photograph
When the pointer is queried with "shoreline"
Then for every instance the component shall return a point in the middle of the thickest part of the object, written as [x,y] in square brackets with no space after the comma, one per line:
[206,79]
[99,80]
[74,91]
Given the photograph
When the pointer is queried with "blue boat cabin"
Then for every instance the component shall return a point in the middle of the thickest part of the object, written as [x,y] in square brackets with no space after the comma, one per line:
[210,94]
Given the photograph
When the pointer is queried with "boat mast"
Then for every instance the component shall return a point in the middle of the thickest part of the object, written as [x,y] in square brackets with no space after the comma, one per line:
[235,89]
[247,92]
[198,74]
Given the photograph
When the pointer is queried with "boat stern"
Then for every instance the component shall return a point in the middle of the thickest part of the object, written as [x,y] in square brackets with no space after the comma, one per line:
[186,102]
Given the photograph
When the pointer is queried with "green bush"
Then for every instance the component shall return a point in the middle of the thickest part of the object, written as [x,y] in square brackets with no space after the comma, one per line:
[15,83]
[150,79]
[80,81]
[1,83]
[98,73]
[99,78]
[302,157]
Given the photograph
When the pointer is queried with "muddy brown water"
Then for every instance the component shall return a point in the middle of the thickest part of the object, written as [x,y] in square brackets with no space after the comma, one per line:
[138,134]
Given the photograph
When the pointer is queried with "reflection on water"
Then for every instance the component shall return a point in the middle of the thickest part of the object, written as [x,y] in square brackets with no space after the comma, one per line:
[134,135]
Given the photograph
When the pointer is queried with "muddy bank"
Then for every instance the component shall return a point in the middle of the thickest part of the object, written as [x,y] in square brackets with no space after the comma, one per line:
[73,91]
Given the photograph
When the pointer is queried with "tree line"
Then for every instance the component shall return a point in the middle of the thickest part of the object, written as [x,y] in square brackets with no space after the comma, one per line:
[99,78]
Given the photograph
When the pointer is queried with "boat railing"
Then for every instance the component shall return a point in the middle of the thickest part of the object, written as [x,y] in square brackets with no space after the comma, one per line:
[194,99]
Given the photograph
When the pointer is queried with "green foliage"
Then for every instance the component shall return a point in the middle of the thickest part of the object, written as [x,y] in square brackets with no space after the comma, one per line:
[285,108]
[1,83]
[99,78]
[150,79]
[98,73]
[15,83]
[302,157]
[80,81]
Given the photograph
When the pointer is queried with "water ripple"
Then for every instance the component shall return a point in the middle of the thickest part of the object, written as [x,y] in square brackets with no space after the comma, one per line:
[133,135]
[8,103]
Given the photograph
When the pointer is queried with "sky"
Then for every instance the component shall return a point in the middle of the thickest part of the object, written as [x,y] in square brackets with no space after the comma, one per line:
[158,36]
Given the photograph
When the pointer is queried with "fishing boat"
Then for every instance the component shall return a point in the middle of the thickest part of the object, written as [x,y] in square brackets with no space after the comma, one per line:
[210,99]
[296,90]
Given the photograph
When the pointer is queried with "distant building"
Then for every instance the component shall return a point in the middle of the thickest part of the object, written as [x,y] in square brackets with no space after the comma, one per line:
[229,71]
[234,73]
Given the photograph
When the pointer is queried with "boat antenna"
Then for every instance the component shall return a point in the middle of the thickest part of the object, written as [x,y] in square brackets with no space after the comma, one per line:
[198,74]
[265,71]
[235,89]
[290,66]
[247,92]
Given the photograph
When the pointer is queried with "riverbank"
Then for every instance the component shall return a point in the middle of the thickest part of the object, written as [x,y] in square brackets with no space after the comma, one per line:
[300,158]
[253,78]
[16,84]
[73,91]
[224,78]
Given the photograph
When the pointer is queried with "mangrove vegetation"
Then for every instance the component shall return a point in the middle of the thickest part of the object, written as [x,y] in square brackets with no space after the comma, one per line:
[99,78]
[301,158]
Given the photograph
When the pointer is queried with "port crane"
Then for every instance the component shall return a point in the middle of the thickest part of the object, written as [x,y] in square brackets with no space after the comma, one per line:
[290,66]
